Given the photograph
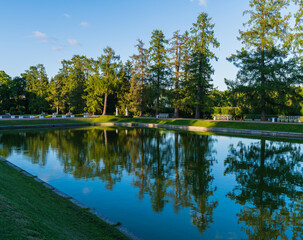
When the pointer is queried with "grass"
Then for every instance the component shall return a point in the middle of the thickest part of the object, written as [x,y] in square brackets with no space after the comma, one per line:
[280,127]
[28,210]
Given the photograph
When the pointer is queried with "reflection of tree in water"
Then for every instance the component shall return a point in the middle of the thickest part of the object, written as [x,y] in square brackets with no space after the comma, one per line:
[270,178]
[35,145]
[198,159]
[169,167]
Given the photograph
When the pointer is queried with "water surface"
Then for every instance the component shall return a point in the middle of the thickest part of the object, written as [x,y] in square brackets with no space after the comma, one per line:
[170,185]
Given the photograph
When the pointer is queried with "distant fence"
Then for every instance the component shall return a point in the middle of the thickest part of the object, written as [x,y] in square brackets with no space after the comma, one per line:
[223,117]
[292,119]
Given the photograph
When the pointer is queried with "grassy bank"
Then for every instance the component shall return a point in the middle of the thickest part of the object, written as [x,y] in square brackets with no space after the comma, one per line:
[281,127]
[28,210]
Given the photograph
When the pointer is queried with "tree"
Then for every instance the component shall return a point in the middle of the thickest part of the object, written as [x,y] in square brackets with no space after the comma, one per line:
[18,94]
[199,67]
[125,76]
[76,73]
[109,67]
[297,31]
[159,65]
[93,90]
[264,39]
[5,85]
[56,96]
[139,79]
[281,74]
[37,88]
[178,50]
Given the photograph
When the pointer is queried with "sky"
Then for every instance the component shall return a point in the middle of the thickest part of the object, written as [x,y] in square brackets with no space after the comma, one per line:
[46,32]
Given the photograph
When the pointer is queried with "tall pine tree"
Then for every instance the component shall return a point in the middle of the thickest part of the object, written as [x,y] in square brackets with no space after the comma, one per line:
[264,39]
[159,65]
[199,68]
[110,66]
[178,50]
[140,72]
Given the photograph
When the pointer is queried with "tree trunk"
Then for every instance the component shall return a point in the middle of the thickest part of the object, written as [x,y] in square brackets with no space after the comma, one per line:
[176,113]
[263,111]
[198,110]
[141,107]
[177,66]
[105,104]
[57,109]
[158,93]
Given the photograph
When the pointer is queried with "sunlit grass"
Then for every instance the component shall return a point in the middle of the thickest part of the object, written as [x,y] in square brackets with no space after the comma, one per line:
[282,127]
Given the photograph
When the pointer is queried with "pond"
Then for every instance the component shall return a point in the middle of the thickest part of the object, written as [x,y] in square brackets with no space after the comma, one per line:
[171,185]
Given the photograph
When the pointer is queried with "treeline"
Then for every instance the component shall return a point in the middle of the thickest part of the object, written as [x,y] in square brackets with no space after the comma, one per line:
[175,75]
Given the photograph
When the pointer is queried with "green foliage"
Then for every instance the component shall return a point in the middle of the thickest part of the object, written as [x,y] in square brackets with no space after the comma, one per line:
[109,66]
[274,82]
[265,68]
[37,88]
[159,66]
[94,95]
[297,36]
[5,90]
[76,72]
[123,91]
[179,59]
[136,97]
[235,112]
[198,84]
[56,97]
[267,26]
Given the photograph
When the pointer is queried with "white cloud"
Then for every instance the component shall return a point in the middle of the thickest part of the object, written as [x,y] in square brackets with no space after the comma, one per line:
[202,2]
[73,42]
[84,24]
[86,190]
[59,61]
[39,34]
[67,15]
[47,41]
[54,48]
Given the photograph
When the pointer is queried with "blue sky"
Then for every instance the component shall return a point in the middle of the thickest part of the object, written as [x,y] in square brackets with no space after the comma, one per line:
[35,31]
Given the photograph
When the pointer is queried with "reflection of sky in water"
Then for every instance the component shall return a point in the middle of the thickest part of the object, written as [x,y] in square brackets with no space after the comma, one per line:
[123,202]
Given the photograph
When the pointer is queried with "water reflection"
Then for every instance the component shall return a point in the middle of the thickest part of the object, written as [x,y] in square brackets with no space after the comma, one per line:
[178,169]
[170,168]
[269,186]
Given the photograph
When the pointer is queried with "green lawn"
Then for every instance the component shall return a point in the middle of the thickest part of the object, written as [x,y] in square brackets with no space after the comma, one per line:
[282,127]
[28,210]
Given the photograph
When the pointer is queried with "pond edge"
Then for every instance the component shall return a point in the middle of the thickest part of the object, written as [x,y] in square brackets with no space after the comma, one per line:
[117,225]
[260,133]
[247,132]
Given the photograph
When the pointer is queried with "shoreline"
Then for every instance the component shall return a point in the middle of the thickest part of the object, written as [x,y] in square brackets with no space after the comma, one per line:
[72,200]
[135,122]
